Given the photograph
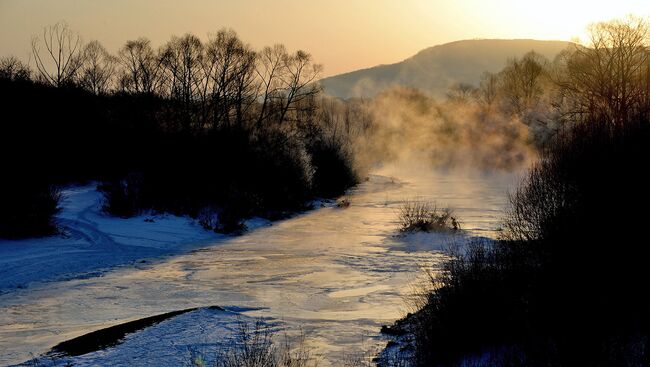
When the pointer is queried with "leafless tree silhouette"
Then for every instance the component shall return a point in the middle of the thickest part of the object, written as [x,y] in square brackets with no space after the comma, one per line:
[13,69]
[141,67]
[57,54]
[229,67]
[98,69]
[610,78]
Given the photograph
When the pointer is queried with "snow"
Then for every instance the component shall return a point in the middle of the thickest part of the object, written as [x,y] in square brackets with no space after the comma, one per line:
[338,274]
[92,242]
[176,341]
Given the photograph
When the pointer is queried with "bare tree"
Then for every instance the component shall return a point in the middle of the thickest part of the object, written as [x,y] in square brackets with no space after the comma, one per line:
[181,60]
[522,81]
[141,67]
[298,81]
[229,64]
[98,69]
[13,69]
[461,93]
[57,54]
[488,90]
[285,80]
[610,78]
[244,90]
[270,70]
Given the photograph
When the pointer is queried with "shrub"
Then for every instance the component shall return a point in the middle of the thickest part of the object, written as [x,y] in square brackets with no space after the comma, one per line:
[478,302]
[333,169]
[563,285]
[426,216]
[27,209]
[13,69]
[343,203]
[230,220]
[123,198]
[256,345]
[208,217]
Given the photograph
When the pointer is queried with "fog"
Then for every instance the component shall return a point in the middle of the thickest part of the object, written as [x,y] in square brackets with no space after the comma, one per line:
[410,128]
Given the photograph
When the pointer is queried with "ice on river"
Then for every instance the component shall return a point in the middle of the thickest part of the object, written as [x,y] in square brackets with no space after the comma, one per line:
[336,273]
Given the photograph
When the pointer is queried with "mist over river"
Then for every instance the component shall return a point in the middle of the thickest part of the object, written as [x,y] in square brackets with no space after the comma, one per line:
[337,274]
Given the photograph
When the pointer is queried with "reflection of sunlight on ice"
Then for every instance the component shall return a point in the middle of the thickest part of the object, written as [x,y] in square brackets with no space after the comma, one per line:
[339,273]
[356,292]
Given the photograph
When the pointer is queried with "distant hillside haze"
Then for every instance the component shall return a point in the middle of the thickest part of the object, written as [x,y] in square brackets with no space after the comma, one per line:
[437,68]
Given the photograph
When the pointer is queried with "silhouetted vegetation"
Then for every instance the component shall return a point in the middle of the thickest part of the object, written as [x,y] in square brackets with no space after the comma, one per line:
[257,345]
[28,207]
[426,216]
[565,285]
[210,128]
[260,345]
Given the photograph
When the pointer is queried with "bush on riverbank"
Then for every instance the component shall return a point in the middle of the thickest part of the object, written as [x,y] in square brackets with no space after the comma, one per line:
[565,284]
[27,209]
[256,345]
[426,216]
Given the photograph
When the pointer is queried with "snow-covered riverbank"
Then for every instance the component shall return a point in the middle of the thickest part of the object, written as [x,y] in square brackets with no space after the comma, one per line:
[92,242]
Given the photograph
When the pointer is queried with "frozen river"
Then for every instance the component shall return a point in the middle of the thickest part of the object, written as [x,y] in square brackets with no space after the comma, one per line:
[336,273]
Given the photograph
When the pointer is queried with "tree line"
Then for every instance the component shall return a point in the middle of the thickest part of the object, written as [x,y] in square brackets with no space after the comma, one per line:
[565,282]
[215,83]
[212,129]
[606,79]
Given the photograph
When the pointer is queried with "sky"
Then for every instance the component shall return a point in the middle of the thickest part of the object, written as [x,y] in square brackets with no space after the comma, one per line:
[343,35]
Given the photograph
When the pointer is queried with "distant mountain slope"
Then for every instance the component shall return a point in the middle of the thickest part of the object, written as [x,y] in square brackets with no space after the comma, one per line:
[436,68]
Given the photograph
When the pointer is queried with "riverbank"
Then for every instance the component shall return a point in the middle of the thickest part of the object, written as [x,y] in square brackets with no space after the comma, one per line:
[90,242]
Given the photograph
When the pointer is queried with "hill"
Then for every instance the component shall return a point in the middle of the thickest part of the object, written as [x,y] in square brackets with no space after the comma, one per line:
[436,68]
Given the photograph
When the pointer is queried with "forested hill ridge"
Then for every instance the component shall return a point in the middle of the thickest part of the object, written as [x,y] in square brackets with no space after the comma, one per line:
[437,68]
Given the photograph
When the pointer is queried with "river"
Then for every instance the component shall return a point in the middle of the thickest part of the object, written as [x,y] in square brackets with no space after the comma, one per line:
[338,274]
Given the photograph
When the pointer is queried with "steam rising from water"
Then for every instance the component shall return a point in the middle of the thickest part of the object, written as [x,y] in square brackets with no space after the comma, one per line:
[410,127]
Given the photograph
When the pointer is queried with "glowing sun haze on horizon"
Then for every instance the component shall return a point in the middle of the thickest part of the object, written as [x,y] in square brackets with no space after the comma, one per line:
[344,35]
